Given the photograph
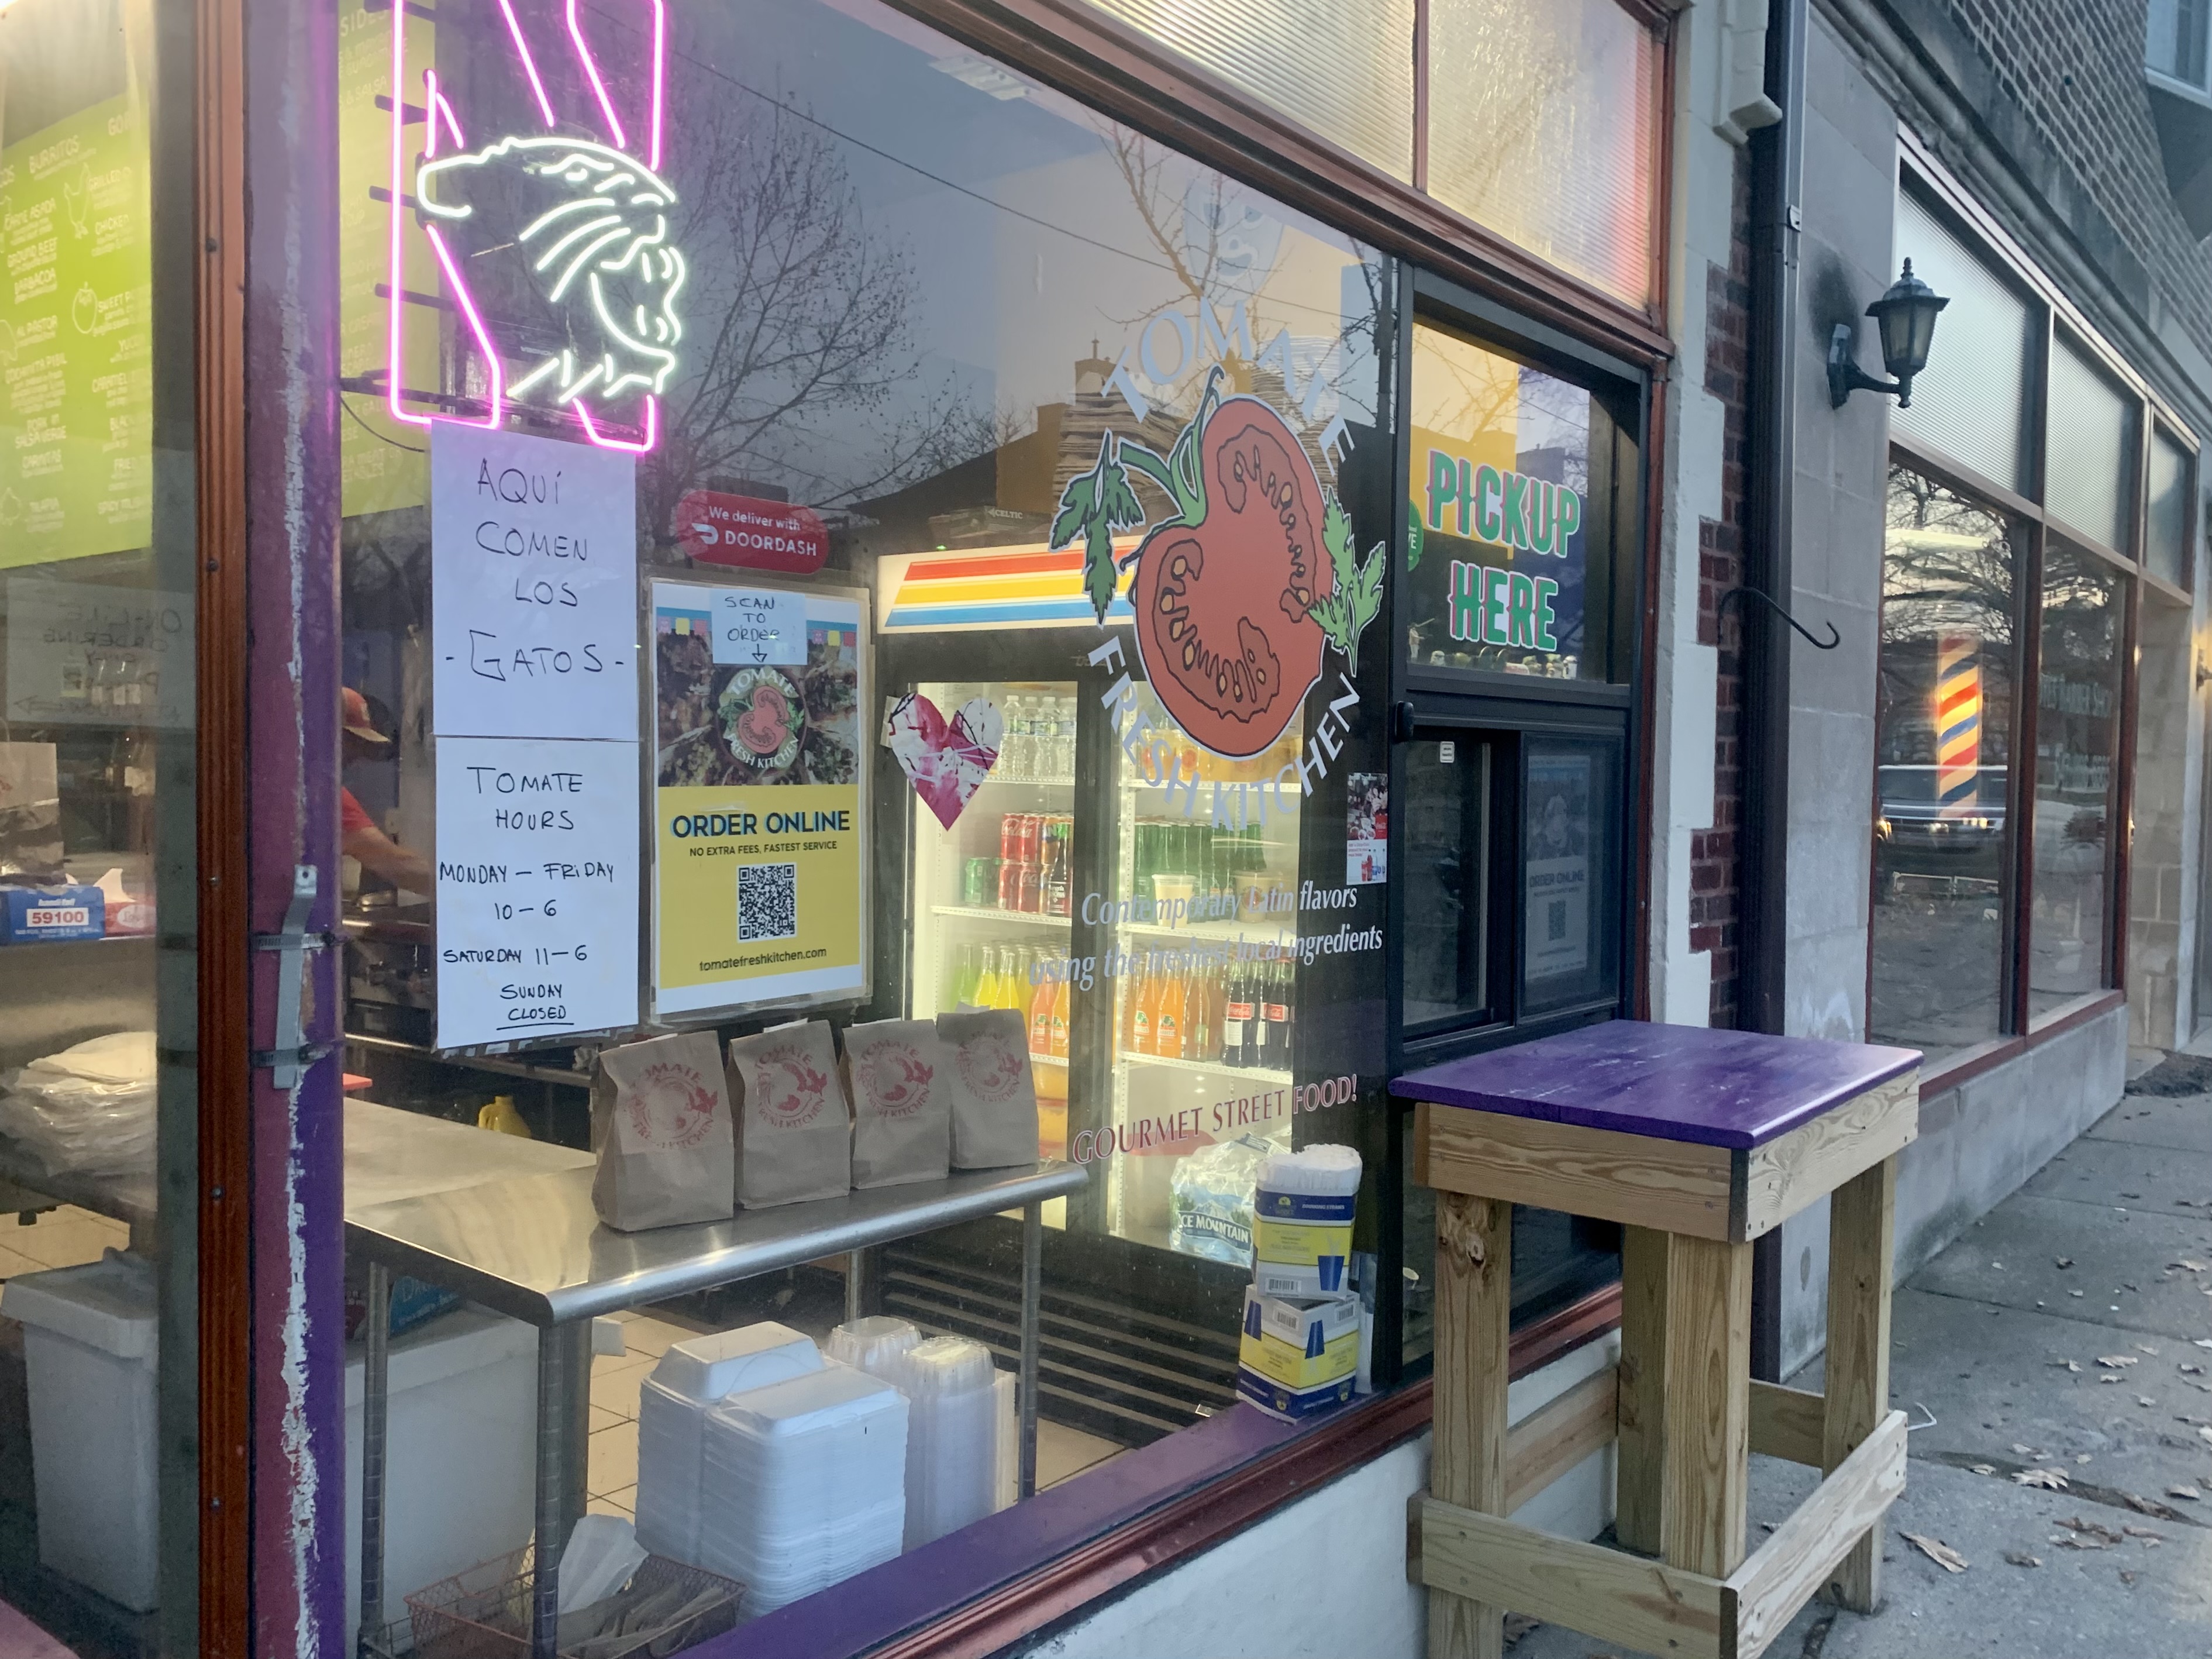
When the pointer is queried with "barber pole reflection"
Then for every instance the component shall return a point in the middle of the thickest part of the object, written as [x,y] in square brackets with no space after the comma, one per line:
[1958,725]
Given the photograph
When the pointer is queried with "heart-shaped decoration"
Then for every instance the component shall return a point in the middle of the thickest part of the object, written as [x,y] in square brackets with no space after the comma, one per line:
[945,761]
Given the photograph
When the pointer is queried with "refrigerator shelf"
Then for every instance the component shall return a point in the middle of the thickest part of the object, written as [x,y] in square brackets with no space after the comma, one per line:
[1225,933]
[1030,780]
[1209,1068]
[992,912]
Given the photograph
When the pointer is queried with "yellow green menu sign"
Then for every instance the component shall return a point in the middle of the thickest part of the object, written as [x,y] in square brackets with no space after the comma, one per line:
[76,388]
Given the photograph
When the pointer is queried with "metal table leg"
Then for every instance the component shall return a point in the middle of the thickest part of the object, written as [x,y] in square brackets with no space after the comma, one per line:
[1032,1296]
[858,1264]
[556,1456]
[376,1411]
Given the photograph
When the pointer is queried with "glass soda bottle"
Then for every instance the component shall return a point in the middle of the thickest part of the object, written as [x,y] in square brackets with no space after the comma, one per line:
[1040,1016]
[1058,1041]
[1148,1008]
[1168,1015]
[1275,1019]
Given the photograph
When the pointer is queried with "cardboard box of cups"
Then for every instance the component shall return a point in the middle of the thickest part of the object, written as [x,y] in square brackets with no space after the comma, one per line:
[1299,1352]
[793,1115]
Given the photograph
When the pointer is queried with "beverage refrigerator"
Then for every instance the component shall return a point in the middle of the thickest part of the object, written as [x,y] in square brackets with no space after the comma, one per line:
[1148,944]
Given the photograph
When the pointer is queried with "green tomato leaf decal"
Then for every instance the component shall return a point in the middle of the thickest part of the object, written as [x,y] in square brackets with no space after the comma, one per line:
[1094,506]
[1356,595]
[1416,533]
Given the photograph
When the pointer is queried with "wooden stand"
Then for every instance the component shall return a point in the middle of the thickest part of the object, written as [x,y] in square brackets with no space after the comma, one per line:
[1685,1411]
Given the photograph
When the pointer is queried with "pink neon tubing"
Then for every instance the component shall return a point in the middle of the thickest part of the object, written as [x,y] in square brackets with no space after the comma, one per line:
[492,366]
[599,86]
[529,64]
[434,105]
[652,425]
[395,330]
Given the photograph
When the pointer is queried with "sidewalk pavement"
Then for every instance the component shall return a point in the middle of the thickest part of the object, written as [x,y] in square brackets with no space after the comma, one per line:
[2065,1338]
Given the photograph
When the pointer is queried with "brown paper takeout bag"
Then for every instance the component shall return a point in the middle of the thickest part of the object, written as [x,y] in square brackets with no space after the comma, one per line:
[794,1131]
[899,1081]
[994,1108]
[661,1118]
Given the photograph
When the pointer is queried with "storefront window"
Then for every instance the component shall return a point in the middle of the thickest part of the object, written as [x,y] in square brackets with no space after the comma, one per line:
[1449,866]
[2166,527]
[2077,731]
[1510,497]
[1978,419]
[1543,124]
[2092,450]
[1942,863]
[998,504]
[98,909]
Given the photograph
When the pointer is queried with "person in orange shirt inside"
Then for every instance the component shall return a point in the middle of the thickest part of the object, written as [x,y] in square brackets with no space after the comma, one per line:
[360,838]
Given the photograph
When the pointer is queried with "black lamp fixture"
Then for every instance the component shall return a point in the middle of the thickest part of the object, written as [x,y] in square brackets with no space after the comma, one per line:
[1905,318]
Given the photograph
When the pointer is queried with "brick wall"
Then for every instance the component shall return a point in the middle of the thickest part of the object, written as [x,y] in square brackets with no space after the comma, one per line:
[1716,853]
[2075,69]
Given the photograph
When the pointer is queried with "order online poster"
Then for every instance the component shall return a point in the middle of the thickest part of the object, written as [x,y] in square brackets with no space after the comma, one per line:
[759,814]
[1558,862]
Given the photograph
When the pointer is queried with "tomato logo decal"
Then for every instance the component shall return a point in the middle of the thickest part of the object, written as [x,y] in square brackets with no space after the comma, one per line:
[671,1106]
[1243,587]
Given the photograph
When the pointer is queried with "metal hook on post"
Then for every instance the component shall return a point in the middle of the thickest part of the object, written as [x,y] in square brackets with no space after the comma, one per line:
[1833,640]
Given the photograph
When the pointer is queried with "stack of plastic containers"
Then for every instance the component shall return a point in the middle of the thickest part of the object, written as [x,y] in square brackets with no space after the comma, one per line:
[1299,1352]
[952,1436]
[805,1484]
[672,1414]
[875,1345]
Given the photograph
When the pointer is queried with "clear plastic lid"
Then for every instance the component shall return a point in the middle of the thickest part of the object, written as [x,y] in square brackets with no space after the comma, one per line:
[1327,1170]
[946,1365]
[874,1345]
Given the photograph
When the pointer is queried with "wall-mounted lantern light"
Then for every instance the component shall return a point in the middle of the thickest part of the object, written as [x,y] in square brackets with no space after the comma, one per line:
[1905,318]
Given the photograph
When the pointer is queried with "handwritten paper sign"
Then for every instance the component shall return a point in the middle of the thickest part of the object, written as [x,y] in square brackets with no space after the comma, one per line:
[85,653]
[538,886]
[533,586]
[759,625]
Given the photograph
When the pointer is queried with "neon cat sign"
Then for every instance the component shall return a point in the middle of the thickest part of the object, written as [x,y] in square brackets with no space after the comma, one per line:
[587,217]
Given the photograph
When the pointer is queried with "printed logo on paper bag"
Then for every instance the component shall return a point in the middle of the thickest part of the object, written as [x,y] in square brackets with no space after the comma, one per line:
[793,1088]
[1240,591]
[899,1078]
[671,1105]
[990,1065]
[945,761]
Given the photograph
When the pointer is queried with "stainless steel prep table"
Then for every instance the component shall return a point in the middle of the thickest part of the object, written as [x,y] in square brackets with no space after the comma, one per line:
[529,1245]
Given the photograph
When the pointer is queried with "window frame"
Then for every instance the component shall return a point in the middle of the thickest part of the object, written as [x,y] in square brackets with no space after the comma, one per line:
[2056,320]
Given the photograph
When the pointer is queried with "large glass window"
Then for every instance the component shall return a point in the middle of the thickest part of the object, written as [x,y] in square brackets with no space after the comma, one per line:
[1979,419]
[98,1505]
[1542,127]
[1010,499]
[2166,525]
[2091,482]
[1943,870]
[2077,736]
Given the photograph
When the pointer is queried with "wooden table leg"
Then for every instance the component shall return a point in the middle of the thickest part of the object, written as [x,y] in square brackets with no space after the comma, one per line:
[1861,1214]
[1642,1415]
[1467,1459]
[1706,1454]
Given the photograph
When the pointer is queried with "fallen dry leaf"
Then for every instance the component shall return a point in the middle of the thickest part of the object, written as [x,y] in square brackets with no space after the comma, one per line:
[2141,1531]
[2190,1369]
[1937,1551]
[2070,1364]
[2091,1529]
[2126,1577]
[2073,1292]
[2083,1458]
[1517,1625]
[2189,1492]
[2205,1435]
[2019,1559]
[2203,1342]
[2144,1348]
[1981,1468]
[2049,1479]
[2117,1360]
[2065,1260]
[2145,1399]
[2067,1543]
[2189,1266]
[2020,1450]
[2108,1379]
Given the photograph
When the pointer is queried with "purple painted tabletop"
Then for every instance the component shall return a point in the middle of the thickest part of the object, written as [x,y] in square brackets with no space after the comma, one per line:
[1733,1089]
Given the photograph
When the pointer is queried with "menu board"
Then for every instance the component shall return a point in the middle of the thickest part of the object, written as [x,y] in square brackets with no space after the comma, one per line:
[536,889]
[533,586]
[759,810]
[76,388]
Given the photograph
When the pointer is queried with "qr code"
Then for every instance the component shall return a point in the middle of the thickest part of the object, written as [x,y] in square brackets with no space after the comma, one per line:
[767,901]
[1556,920]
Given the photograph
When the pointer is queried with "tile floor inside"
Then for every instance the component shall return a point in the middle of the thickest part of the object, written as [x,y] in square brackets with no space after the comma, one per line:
[612,1471]
[61,1237]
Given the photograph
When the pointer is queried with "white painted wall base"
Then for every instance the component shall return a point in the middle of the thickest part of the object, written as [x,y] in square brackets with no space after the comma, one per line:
[1325,1577]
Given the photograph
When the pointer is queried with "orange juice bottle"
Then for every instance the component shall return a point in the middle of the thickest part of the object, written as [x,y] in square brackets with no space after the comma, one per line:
[1041,1017]
[1057,1045]
[1168,1017]
[1148,1008]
